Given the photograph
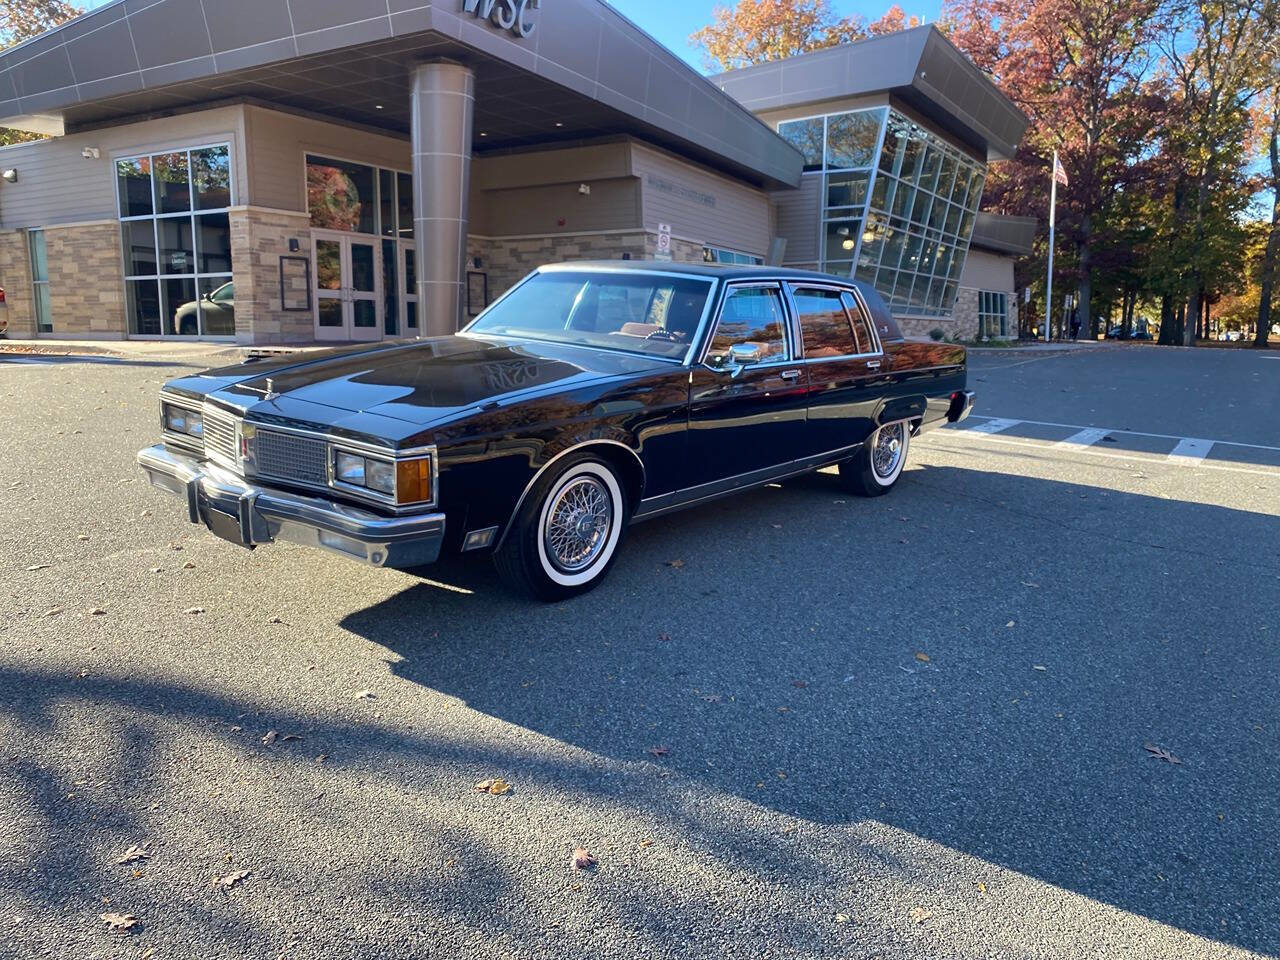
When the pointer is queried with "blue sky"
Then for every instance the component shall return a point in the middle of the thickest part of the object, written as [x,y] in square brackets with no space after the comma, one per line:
[671,21]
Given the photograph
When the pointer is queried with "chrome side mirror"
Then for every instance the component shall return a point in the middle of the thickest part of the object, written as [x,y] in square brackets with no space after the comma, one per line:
[745,354]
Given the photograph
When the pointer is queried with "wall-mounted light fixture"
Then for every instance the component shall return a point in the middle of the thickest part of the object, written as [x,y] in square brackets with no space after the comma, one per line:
[10,175]
[585,189]
[91,153]
[847,243]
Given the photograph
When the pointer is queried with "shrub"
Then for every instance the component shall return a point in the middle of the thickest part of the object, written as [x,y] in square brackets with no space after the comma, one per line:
[937,333]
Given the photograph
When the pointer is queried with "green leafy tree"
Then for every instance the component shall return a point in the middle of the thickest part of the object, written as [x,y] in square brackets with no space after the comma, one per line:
[21,20]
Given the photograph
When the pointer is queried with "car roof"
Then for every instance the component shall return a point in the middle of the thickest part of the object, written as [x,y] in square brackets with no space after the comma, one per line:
[723,271]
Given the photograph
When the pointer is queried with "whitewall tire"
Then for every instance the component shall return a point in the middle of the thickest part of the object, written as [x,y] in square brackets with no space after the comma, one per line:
[875,469]
[567,533]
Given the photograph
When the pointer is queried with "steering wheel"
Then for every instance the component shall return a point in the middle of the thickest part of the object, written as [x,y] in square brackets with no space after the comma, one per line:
[664,335]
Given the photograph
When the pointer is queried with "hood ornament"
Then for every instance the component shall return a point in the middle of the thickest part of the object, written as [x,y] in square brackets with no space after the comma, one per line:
[271,393]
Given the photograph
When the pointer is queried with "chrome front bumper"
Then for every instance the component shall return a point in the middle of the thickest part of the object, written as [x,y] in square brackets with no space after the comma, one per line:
[251,515]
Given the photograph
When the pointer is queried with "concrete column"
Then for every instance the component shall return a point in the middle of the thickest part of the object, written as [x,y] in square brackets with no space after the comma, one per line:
[443,106]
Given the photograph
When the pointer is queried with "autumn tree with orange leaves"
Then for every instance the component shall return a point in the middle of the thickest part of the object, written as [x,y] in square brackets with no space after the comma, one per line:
[757,31]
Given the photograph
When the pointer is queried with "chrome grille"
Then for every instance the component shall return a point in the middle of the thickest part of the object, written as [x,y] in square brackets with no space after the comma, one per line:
[288,456]
[219,433]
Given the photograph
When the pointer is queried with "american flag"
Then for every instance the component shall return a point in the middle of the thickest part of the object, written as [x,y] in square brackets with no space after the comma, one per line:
[1059,171]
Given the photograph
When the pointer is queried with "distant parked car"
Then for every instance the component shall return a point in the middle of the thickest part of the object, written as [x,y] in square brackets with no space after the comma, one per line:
[219,313]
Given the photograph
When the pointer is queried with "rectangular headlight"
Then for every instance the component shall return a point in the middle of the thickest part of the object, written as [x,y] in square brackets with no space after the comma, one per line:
[380,475]
[349,468]
[181,420]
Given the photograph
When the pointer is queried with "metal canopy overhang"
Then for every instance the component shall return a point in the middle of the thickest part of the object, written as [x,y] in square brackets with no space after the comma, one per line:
[918,66]
[583,72]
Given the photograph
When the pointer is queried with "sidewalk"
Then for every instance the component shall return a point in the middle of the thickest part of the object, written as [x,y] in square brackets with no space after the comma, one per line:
[1052,345]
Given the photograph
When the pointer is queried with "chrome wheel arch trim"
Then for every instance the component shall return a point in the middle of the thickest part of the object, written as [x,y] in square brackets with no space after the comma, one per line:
[524,494]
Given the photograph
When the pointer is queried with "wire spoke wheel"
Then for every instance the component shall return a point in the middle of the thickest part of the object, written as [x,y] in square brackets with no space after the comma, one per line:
[886,455]
[578,524]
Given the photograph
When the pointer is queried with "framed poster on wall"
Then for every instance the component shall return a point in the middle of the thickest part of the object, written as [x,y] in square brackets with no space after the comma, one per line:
[295,284]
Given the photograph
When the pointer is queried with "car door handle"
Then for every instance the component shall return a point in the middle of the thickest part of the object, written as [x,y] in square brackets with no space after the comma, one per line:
[790,374]
[873,364]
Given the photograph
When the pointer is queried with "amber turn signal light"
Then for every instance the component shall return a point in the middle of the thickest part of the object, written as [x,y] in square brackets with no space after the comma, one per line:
[413,480]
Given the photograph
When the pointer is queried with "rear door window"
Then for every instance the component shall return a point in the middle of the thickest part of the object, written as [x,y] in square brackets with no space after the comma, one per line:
[861,327]
[824,324]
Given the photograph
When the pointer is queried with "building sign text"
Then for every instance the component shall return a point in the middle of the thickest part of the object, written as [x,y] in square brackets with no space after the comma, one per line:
[510,15]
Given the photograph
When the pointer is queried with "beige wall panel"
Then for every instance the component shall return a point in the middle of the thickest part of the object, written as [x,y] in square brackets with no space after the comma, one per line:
[58,185]
[611,205]
[278,143]
[700,205]
[598,161]
[984,270]
[797,214]
[774,117]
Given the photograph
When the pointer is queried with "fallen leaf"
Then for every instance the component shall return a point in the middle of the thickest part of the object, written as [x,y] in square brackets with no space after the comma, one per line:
[842,918]
[1160,753]
[919,914]
[1040,667]
[582,859]
[494,786]
[982,887]
[83,537]
[451,862]
[157,569]
[53,611]
[270,738]
[659,751]
[39,566]
[134,852]
[1010,623]
[664,637]
[277,620]
[800,683]
[1026,583]
[97,612]
[290,736]
[649,843]
[677,564]
[119,922]
[784,709]
[194,610]
[365,695]
[231,880]
[188,565]
[776,526]
[922,657]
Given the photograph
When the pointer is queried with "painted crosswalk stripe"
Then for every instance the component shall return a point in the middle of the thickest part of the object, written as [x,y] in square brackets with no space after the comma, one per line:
[1190,451]
[994,426]
[1085,438]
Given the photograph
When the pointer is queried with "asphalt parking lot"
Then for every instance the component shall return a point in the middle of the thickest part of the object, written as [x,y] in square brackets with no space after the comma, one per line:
[790,724]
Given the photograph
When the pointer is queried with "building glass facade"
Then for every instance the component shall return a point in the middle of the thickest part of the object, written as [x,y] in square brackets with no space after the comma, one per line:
[898,204]
[176,230]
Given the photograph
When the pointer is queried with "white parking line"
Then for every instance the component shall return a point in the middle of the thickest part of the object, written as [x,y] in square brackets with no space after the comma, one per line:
[1085,438]
[1190,451]
[994,426]
[1187,451]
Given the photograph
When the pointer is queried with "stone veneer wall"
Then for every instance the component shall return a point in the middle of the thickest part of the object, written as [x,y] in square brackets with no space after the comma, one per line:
[86,280]
[506,260]
[259,238]
[922,326]
[15,278]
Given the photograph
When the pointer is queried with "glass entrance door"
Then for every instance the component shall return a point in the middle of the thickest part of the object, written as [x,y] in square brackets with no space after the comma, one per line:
[348,281]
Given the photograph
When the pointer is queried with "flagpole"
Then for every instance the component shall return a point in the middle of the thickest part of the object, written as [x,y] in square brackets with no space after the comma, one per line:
[1053,204]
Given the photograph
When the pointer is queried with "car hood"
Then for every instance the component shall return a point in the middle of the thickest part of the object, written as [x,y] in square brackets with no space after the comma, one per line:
[427,381]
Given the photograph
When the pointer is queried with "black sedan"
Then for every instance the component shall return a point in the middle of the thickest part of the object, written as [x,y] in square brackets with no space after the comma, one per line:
[590,396]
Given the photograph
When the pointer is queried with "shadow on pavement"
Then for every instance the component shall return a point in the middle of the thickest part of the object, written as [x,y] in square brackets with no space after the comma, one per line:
[792,679]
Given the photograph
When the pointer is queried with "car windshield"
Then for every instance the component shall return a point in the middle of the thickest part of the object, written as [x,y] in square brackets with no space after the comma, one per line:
[649,313]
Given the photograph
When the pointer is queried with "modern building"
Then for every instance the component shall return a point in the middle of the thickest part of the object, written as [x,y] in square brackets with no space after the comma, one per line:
[272,172]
